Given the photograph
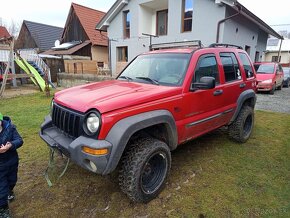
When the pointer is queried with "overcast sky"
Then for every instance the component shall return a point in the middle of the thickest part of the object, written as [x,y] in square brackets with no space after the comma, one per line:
[54,12]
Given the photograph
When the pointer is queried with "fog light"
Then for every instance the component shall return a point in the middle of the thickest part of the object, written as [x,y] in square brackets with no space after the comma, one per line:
[93,151]
[93,166]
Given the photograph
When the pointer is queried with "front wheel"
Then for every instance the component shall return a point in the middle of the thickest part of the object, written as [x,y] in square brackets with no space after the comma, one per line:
[145,167]
[273,90]
[240,130]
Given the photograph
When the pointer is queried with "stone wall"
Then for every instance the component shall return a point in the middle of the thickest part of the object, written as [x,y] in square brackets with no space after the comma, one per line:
[69,80]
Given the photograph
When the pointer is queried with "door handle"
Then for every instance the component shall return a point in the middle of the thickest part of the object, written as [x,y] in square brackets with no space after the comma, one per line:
[218,92]
[242,85]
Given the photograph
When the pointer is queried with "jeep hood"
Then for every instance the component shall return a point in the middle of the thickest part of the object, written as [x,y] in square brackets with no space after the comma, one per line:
[112,95]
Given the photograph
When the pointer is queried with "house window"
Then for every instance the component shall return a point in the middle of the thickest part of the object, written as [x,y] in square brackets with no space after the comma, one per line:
[122,54]
[231,67]
[187,11]
[127,21]
[248,49]
[275,59]
[162,18]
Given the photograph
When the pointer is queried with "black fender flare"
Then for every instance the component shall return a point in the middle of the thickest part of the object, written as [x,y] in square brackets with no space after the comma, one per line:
[122,131]
[248,94]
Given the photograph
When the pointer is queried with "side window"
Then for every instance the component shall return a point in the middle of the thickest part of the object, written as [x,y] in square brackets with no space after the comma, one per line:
[207,66]
[231,67]
[247,65]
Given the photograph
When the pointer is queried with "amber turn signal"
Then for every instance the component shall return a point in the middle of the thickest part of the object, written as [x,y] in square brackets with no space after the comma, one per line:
[93,151]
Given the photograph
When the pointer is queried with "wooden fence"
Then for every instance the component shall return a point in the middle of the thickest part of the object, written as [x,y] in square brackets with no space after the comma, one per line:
[84,67]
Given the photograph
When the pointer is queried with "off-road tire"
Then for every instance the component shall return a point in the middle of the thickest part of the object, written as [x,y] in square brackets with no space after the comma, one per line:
[135,163]
[240,130]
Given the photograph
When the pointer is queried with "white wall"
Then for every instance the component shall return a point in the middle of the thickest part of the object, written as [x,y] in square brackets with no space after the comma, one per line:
[285,57]
[206,15]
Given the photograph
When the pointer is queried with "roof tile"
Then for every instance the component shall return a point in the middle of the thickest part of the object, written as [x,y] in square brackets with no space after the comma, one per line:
[89,19]
[44,35]
[3,32]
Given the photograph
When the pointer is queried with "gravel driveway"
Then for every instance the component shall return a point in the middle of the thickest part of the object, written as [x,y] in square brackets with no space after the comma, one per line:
[279,102]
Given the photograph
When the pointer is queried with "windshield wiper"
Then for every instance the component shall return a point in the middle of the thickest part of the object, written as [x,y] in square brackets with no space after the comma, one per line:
[153,81]
[126,78]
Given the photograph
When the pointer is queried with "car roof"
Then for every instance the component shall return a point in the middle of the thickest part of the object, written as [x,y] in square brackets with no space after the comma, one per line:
[192,49]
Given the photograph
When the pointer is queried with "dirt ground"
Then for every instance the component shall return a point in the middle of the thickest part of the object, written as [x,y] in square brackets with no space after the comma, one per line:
[11,92]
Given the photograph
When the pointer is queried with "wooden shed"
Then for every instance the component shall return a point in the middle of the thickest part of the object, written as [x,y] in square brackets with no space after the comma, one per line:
[80,39]
[38,36]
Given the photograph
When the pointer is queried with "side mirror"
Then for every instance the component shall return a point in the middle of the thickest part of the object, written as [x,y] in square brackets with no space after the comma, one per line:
[205,83]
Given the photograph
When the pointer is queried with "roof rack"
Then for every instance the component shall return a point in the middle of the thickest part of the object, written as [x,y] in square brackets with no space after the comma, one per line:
[182,44]
[215,45]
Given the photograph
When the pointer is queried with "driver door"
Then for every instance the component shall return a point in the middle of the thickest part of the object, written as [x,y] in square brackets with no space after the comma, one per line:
[204,108]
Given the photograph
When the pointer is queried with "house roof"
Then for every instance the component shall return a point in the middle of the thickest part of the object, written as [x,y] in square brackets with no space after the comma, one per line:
[119,4]
[69,51]
[89,18]
[252,17]
[113,11]
[273,45]
[44,35]
[3,32]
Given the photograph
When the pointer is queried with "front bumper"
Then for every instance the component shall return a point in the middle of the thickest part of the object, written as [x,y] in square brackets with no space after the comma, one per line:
[264,87]
[72,148]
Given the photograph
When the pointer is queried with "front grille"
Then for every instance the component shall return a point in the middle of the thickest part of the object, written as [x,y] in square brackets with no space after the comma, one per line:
[69,122]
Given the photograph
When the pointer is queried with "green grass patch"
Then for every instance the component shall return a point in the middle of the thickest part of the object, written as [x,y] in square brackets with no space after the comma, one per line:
[210,176]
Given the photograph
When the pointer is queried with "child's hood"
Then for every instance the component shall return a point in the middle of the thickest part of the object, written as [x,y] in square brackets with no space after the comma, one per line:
[6,122]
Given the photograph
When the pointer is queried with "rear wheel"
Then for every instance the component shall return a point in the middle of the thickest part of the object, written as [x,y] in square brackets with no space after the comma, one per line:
[280,87]
[145,167]
[240,130]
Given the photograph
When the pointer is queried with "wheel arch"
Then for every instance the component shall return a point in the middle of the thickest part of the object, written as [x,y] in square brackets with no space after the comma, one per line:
[123,130]
[247,97]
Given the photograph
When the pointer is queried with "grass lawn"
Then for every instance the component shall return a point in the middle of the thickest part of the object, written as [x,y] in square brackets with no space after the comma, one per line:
[210,176]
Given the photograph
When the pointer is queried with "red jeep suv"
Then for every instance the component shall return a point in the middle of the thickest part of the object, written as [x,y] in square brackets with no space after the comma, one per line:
[161,100]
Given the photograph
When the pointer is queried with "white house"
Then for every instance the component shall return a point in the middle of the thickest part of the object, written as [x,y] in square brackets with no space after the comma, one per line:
[129,24]
[272,51]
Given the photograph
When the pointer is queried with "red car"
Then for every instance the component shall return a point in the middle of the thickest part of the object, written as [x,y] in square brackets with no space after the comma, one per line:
[269,76]
[161,100]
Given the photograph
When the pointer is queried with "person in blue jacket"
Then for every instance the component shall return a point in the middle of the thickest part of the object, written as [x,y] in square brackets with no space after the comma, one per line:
[10,140]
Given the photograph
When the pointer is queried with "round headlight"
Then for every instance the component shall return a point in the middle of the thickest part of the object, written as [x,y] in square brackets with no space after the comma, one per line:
[93,123]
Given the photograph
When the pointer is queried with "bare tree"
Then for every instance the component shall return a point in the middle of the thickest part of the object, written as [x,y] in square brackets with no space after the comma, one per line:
[12,27]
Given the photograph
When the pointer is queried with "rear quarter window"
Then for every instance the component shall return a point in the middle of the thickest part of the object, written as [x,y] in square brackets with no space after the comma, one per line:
[247,65]
[230,66]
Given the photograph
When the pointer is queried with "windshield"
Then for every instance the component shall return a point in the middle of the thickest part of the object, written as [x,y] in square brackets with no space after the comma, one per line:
[264,68]
[164,69]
